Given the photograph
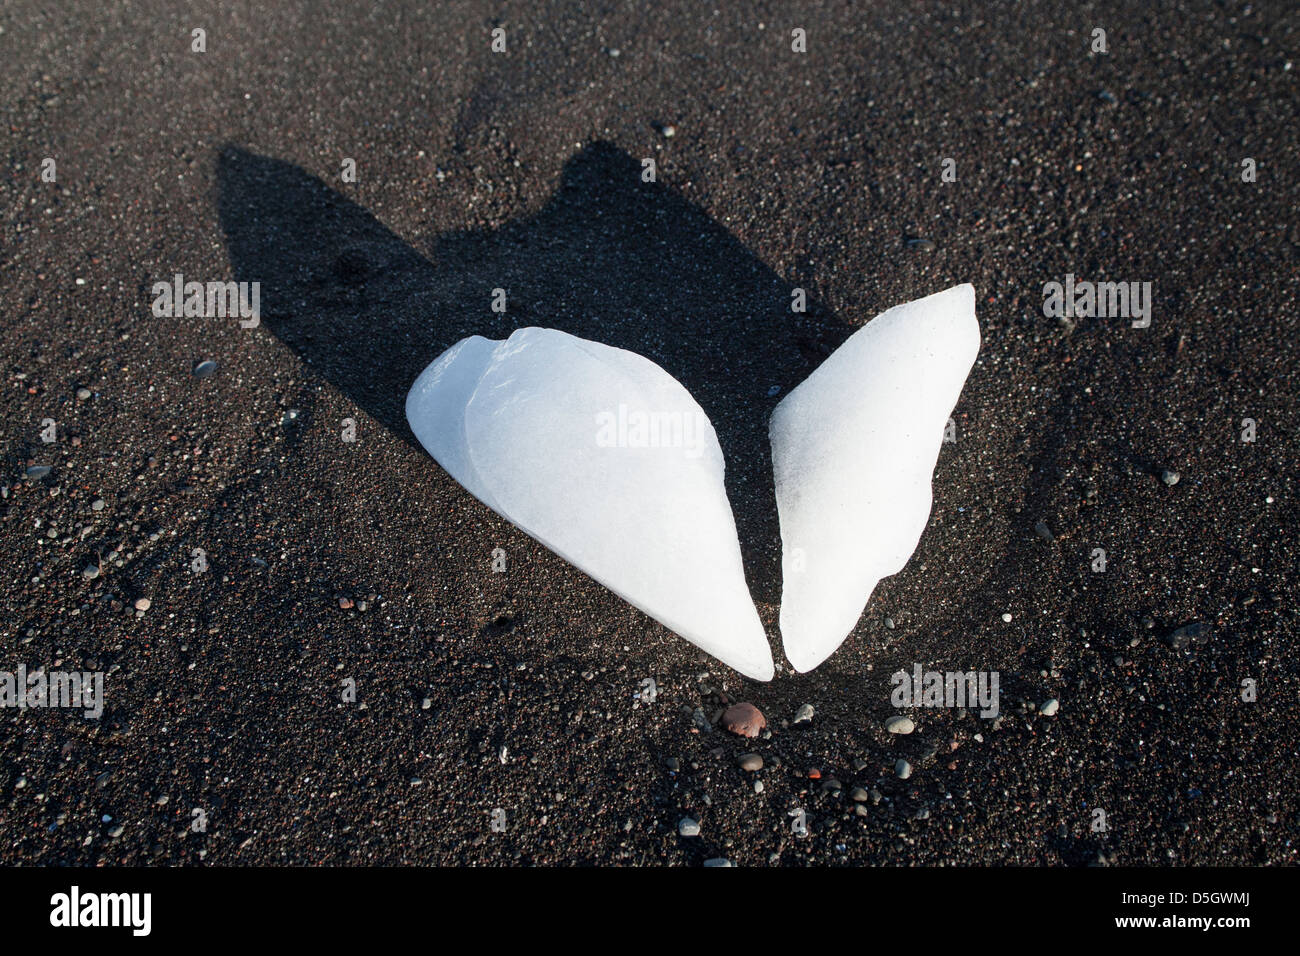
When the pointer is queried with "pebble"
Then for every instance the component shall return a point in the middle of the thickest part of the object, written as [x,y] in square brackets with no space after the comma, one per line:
[699,721]
[1050,707]
[1044,532]
[205,368]
[688,827]
[97,505]
[1169,476]
[920,245]
[1198,632]
[143,604]
[744,719]
[861,810]
[900,725]
[803,713]
[858,795]
[117,831]
[903,769]
[751,762]
[718,861]
[889,623]
[90,572]
[345,603]
[83,393]
[1006,618]
[38,471]
[673,764]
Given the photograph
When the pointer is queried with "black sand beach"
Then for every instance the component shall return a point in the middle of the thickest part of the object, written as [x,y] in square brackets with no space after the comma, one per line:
[328,564]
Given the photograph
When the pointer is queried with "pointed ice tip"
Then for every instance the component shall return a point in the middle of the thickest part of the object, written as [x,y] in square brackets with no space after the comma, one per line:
[763,670]
[802,658]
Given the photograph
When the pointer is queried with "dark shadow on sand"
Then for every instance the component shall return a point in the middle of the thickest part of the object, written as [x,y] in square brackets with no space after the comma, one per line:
[609,258]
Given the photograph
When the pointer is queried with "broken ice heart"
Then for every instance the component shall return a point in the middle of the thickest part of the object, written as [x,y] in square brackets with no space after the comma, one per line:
[853,450]
[537,428]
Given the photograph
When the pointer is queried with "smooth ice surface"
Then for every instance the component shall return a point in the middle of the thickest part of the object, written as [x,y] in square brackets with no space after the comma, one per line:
[853,451]
[546,429]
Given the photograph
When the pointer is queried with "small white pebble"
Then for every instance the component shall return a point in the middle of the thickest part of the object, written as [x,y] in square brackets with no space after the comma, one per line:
[1006,618]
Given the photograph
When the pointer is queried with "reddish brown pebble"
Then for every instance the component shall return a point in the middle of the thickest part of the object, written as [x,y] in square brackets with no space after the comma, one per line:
[814,774]
[744,719]
[345,603]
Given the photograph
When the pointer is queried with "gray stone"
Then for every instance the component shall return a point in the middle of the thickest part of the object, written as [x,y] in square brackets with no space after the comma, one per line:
[751,762]
[898,724]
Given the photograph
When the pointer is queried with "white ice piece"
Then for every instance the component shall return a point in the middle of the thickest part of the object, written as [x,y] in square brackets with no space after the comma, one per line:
[605,458]
[853,450]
